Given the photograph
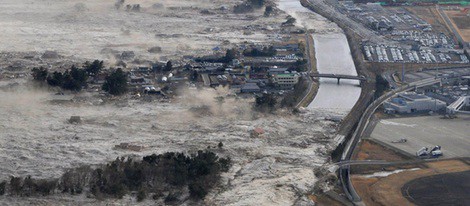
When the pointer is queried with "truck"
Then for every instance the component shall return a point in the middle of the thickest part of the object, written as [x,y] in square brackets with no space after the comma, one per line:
[422,152]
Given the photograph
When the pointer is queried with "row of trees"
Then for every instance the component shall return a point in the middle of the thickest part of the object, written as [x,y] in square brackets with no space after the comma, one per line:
[248,6]
[265,52]
[153,174]
[266,102]
[116,83]
[75,79]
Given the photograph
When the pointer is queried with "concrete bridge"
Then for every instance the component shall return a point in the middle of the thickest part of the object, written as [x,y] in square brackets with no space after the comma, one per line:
[339,76]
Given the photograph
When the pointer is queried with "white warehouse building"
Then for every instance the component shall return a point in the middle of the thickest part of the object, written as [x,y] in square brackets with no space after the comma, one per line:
[411,102]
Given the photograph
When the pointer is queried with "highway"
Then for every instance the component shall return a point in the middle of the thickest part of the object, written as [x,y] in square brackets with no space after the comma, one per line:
[344,172]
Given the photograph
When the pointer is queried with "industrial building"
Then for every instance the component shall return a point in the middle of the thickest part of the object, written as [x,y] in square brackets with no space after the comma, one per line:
[412,102]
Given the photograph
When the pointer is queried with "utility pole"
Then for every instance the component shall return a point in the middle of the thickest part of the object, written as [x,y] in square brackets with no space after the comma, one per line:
[403,72]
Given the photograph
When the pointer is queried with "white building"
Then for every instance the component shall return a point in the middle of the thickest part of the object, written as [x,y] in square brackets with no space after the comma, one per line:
[411,102]
[286,81]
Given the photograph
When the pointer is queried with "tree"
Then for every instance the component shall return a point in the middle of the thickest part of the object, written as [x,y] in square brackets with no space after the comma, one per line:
[256,3]
[381,85]
[265,52]
[242,8]
[169,66]
[290,21]
[79,75]
[15,185]
[116,83]
[40,74]
[75,79]
[2,187]
[119,4]
[268,10]
[266,101]
[141,195]
[197,189]
[93,68]
[300,65]
[293,97]
[194,75]
[57,79]
[229,55]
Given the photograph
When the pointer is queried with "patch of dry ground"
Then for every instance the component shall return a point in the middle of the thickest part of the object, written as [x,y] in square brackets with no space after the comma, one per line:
[430,15]
[387,190]
[461,23]
[369,150]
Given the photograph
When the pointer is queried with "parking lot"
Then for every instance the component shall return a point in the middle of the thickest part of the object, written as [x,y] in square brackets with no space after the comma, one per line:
[414,39]
[388,53]
[426,131]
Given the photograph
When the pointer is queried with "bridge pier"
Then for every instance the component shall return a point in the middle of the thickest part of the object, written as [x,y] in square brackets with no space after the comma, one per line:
[338,80]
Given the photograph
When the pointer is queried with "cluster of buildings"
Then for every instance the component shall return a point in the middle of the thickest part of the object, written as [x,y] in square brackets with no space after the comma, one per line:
[255,74]
[241,75]
[248,79]
[451,96]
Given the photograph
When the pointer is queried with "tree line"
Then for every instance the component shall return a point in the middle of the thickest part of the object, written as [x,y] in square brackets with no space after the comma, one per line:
[163,175]
[248,6]
[265,52]
[75,79]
